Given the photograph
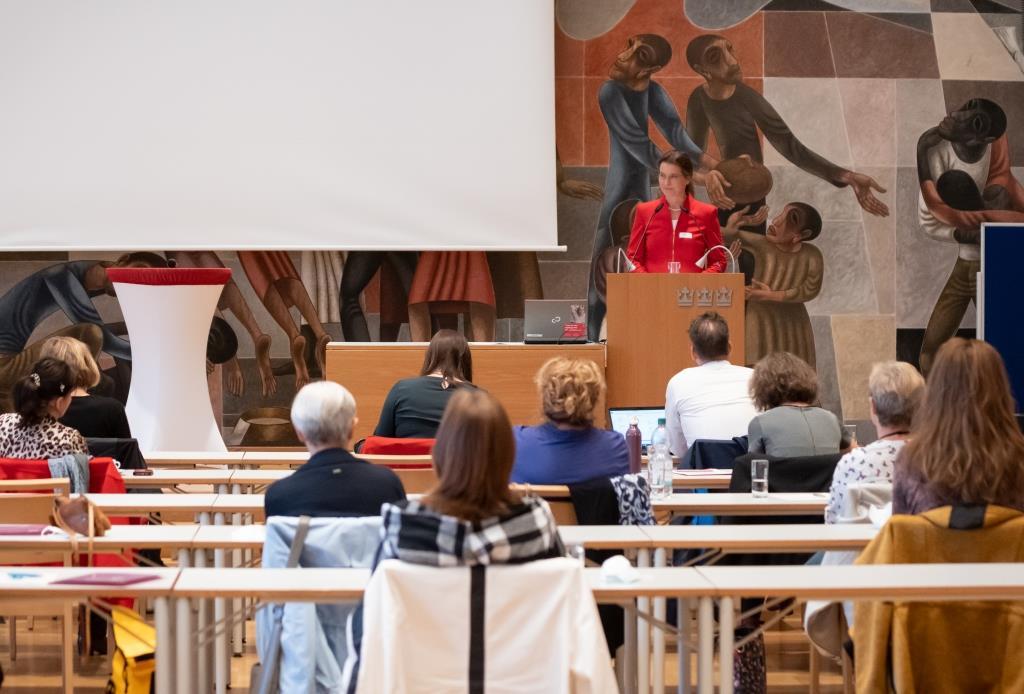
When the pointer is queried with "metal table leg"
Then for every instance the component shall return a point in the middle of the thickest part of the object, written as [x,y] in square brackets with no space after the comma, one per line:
[658,676]
[683,653]
[725,641]
[643,638]
[705,647]
[163,608]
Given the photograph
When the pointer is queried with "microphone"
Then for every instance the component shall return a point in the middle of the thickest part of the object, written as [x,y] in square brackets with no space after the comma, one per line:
[643,234]
[702,263]
[620,256]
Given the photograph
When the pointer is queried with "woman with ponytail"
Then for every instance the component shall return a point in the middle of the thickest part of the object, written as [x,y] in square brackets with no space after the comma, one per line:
[42,397]
[567,448]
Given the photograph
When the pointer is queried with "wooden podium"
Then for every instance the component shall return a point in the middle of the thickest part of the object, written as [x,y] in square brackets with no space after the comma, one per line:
[648,319]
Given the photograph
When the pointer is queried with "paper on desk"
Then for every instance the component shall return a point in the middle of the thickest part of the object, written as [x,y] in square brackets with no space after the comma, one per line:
[707,472]
[880,515]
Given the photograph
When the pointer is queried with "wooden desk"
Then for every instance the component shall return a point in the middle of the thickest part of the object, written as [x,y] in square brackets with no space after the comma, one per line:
[145,504]
[369,369]
[743,504]
[701,479]
[163,478]
[191,458]
[761,539]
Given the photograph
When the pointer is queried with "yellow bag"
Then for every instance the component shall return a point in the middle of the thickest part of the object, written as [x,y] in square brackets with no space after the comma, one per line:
[134,661]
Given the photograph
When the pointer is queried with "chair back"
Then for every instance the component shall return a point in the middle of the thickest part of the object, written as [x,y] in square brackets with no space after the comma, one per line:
[557,496]
[514,637]
[125,451]
[861,498]
[713,453]
[22,507]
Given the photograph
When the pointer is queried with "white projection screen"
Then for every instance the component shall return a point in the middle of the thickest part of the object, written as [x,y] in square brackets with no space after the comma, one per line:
[277,124]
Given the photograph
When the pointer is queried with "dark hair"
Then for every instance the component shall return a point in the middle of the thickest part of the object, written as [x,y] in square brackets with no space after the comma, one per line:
[782,377]
[677,158]
[695,49]
[661,52]
[141,259]
[473,456]
[50,379]
[448,352]
[709,334]
[812,221]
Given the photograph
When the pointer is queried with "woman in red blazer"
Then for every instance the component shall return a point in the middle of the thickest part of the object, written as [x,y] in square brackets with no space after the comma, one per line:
[676,227]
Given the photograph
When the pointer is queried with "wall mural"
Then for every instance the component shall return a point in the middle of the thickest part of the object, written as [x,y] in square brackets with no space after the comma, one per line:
[852,147]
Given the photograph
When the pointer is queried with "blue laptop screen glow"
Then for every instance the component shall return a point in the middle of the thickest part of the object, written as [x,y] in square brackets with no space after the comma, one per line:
[647,418]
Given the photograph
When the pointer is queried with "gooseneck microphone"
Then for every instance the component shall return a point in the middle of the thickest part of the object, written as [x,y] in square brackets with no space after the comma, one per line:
[631,260]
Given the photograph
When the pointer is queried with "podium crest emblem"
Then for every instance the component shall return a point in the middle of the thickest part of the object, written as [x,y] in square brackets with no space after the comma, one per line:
[704,297]
[723,296]
[684,297]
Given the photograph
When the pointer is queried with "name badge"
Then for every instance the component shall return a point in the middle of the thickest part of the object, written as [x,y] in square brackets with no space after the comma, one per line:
[685,235]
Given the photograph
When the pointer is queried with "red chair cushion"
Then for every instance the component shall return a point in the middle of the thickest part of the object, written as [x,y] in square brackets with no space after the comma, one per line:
[386,445]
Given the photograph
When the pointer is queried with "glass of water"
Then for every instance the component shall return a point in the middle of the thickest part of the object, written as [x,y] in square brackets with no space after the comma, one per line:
[850,431]
[759,477]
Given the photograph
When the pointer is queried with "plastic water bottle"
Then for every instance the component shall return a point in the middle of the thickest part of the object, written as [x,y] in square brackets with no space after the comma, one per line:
[659,462]
[633,444]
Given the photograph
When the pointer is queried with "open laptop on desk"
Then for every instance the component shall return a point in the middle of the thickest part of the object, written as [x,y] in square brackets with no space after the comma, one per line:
[647,419]
[555,321]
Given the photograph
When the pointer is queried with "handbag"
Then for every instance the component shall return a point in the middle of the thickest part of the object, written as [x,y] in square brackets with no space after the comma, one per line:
[79,516]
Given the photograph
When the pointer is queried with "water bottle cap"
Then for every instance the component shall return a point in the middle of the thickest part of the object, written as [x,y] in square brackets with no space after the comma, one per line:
[661,421]
[634,422]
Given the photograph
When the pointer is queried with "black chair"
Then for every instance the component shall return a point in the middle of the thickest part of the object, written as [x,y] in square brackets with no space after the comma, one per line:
[124,451]
[713,453]
[793,475]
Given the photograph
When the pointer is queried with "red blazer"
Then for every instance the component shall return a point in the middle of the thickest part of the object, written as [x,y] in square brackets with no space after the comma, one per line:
[695,233]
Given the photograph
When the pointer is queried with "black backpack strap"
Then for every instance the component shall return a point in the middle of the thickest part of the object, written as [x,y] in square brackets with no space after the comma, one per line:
[477,606]
[967,516]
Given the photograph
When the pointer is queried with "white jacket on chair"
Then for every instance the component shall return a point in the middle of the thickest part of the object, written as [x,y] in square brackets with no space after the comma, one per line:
[508,629]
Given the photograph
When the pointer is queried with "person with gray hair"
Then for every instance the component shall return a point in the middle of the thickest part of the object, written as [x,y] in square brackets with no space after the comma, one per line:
[333,482]
[895,389]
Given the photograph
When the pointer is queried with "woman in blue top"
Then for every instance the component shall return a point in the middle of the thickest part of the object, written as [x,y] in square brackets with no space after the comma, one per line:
[567,448]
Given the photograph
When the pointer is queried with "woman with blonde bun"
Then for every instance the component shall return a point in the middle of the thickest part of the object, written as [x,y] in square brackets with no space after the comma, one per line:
[567,448]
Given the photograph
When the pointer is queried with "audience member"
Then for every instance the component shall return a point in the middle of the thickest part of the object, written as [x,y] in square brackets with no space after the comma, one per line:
[93,415]
[333,482]
[967,448]
[567,448]
[41,398]
[710,400]
[414,406]
[895,391]
[784,388]
[471,516]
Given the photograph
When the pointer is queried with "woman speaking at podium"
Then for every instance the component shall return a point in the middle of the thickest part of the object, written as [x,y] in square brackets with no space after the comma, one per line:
[676,232]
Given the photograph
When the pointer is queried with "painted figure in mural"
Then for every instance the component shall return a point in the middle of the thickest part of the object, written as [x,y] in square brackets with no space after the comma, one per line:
[231,299]
[788,274]
[70,289]
[360,267]
[276,282]
[452,278]
[627,100]
[735,113]
[963,166]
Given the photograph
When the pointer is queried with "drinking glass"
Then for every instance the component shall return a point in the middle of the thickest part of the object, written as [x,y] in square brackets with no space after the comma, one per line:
[759,477]
[674,266]
[851,434]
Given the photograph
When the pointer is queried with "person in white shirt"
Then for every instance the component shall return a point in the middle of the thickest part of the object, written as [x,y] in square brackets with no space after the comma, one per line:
[710,400]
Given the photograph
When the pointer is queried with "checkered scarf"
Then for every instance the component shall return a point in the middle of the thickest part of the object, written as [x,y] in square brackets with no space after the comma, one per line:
[413,532]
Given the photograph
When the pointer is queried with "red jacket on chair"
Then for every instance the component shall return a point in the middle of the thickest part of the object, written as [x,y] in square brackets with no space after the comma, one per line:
[696,231]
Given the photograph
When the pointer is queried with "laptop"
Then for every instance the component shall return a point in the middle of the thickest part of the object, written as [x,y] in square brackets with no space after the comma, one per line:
[555,321]
[647,418]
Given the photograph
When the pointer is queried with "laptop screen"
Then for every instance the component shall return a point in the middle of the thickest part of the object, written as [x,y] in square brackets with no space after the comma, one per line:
[647,417]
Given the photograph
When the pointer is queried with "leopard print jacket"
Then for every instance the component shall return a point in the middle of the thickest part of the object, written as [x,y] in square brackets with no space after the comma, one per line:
[48,439]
